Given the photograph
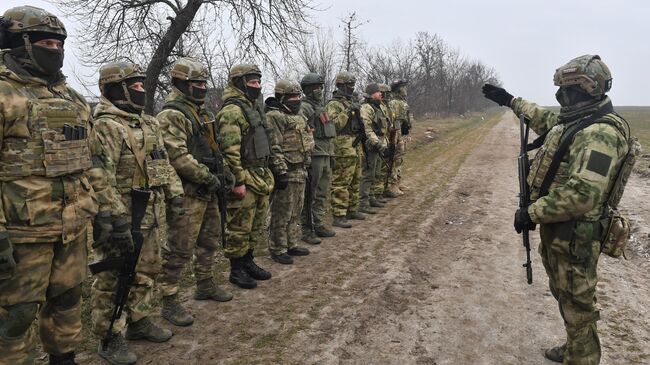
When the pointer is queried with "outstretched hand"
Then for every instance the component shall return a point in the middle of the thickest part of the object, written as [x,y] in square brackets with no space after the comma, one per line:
[497,94]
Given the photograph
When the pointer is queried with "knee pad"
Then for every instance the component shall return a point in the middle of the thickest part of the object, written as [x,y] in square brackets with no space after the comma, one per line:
[68,298]
[19,318]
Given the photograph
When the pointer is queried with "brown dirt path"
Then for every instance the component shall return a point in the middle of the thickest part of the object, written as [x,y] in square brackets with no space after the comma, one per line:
[435,278]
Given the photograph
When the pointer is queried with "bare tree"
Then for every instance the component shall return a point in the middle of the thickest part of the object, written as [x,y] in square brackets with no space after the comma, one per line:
[351,41]
[317,53]
[150,30]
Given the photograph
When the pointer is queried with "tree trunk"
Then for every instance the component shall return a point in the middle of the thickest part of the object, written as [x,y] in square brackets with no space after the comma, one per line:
[176,29]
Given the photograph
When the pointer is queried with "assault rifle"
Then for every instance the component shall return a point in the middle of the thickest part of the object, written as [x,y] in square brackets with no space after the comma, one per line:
[360,131]
[524,191]
[308,202]
[125,265]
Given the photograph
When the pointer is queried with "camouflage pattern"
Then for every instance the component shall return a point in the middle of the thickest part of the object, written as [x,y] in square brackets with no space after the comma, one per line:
[117,138]
[569,216]
[346,173]
[189,69]
[588,71]
[247,216]
[44,209]
[401,113]
[345,77]
[198,232]
[26,19]
[119,71]
[243,69]
[376,125]
[286,208]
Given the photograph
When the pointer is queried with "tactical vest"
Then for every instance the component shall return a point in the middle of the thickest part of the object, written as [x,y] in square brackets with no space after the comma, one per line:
[294,140]
[57,144]
[320,122]
[202,142]
[353,126]
[255,145]
[380,123]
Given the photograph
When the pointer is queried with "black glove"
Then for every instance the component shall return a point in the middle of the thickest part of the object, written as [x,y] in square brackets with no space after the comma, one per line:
[121,236]
[229,179]
[497,94]
[281,181]
[523,221]
[175,205]
[7,260]
[102,228]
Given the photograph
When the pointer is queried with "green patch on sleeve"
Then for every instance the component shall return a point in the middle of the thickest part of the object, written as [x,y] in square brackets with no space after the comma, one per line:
[599,163]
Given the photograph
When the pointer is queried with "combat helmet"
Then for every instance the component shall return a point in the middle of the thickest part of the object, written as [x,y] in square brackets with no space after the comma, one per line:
[589,72]
[189,69]
[287,87]
[311,79]
[345,77]
[243,69]
[395,85]
[122,74]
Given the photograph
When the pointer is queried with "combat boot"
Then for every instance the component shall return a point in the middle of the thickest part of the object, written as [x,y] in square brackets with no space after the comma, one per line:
[282,258]
[380,198]
[322,231]
[310,238]
[341,222]
[396,190]
[144,329]
[207,289]
[355,216]
[239,276]
[556,353]
[253,270]
[65,359]
[389,194]
[115,350]
[363,208]
[298,251]
[375,203]
[173,311]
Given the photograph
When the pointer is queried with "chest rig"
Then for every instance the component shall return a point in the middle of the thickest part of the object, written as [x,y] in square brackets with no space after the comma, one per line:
[320,122]
[255,146]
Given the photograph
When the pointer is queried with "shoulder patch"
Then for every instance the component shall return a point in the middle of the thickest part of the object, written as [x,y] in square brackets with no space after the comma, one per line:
[599,163]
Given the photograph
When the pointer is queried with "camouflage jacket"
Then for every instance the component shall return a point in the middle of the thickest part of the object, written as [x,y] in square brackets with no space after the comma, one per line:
[338,109]
[46,197]
[376,125]
[233,126]
[587,172]
[401,113]
[121,164]
[177,131]
[295,142]
[324,130]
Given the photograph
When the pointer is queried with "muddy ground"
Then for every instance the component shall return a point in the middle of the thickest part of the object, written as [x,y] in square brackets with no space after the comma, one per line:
[434,278]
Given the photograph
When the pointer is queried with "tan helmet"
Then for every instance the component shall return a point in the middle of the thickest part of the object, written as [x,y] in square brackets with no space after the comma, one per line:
[589,72]
[287,87]
[26,19]
[189,69]
[243,69]
[116,72]
[345,77]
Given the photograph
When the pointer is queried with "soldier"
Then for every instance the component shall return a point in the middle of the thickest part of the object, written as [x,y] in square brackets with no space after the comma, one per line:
[245,139]
[346,173]
[381,190]
[322,158]
[402,123]
[376,124]
[129,151]
[283,112]
[46,201]
[568,207]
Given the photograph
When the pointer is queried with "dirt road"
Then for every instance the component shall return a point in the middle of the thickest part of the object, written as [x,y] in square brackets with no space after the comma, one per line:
[434,278]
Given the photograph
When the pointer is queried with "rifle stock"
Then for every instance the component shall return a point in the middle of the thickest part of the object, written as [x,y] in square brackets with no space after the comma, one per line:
[524,191]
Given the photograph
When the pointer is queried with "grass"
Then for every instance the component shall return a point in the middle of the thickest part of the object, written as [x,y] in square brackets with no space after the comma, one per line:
[639,119]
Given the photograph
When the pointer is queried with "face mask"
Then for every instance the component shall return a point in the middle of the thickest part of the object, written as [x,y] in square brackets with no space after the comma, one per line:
[346,89]
[402,92]
[49,60]
[568,96]
[199,94]
[293,106]
[137,98]
[317,94]
[253,93]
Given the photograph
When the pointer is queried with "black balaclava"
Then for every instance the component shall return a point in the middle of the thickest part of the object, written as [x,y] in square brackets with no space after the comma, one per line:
[124,97]
[252,93]
[39,61]
[194,94]
[346,89]
[572,95]
[314,92]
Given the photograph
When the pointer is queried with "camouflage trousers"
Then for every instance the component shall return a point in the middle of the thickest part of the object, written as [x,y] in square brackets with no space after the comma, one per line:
[371,167]
[48,275]
[570,261]
[139,303]
[246,221]
[346,181]
[286,208]
[198,232]
[321,181]
[400,152]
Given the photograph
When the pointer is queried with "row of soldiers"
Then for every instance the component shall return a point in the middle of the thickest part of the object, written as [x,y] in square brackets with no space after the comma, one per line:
[207,178]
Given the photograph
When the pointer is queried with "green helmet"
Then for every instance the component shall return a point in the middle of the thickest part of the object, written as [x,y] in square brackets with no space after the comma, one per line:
[588,72]
[345,77]
[27,19]
[189,69]
[287,87]
[397,84]
[311,79]
[116,72]
[384,88]
[243,69]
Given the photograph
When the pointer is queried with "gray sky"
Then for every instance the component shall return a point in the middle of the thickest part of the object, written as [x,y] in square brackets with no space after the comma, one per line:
[524,40]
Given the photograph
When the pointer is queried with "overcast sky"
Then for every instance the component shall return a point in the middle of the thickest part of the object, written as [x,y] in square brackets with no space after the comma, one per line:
[524,40]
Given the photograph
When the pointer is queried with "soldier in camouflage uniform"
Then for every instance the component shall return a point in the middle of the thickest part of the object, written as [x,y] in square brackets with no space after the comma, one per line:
[569,212]
[380,190]
[189,136]
[322,158]
[402,123]
[283,113]
[376,124]
[129,151]
[346,173]
[245,140]
[46,202]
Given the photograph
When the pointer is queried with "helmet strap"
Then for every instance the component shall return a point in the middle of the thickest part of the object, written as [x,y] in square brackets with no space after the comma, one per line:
[32,60]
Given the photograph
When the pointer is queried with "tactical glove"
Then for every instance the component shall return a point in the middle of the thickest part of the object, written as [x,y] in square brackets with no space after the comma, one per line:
[213,184]
[497,94]
[229,179]
[523,221]
[121,236]
[281,181]
[102,228]
[176,206]
[7,260]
